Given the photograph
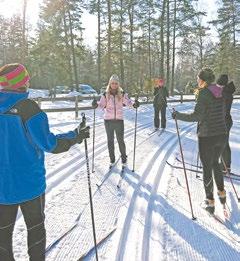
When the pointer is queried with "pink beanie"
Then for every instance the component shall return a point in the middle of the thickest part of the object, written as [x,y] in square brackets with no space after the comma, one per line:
[13,79]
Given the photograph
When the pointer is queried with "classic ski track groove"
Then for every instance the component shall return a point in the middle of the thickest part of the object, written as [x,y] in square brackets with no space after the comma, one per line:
[137,193]
[76,162]
[71,238]
[138,144]
[141,128]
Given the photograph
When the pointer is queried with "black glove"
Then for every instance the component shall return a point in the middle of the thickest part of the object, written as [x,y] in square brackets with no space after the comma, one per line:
[94,104]
[82,133]
[136,104]
[174,114]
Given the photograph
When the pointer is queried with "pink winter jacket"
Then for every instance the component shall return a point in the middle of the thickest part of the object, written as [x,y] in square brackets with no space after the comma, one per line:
[113,107]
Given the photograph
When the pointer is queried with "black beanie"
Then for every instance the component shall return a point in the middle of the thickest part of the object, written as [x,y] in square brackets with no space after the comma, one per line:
[207,75]
[222,80]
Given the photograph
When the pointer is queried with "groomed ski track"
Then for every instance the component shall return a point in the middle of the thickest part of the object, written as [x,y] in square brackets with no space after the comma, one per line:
[151,211]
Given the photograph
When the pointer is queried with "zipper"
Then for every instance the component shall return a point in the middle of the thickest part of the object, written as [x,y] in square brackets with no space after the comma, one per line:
[30,140]
[114,107]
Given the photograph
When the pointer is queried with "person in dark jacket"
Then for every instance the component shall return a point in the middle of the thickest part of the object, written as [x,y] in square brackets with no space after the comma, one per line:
[160,103]
[228,90]
[209,112]
[24,137]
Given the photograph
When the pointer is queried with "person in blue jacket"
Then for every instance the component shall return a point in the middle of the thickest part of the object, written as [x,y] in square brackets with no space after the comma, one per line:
[24,137]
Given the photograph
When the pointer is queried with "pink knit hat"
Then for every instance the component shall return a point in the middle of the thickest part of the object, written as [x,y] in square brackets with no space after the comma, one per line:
[159,82]
[14,79]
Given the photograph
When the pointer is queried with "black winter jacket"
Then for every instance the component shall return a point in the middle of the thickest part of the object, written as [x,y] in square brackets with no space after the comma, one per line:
[209,112]
[160,97]
[228,91]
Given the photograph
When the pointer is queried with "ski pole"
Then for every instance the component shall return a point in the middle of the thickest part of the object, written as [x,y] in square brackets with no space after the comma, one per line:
[135,134]
[225,166]
[184,168]
[197,176]
[83,124]
[93,148]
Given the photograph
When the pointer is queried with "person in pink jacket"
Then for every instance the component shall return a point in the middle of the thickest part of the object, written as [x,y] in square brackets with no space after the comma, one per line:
[113,101]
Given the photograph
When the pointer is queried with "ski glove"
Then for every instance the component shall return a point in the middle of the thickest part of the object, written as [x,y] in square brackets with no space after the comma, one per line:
[94,104]
[82,133]
[136,104]
[174,114]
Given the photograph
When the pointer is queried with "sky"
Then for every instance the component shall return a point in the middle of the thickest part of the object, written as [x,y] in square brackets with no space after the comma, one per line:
[10,7]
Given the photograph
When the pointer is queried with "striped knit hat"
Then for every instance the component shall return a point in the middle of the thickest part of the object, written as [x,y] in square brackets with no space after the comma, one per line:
[13,77]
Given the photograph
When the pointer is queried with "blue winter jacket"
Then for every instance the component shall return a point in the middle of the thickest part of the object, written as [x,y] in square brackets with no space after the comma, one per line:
[22,146]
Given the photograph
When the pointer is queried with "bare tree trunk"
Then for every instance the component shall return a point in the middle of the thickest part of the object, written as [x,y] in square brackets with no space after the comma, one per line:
[109,45]
[130,16]
[201,48]
[168,46]
[24,40]
[174,48]
[67,49]
[73,51]
[161,71]
[149,42]
[99,45]
[121,45]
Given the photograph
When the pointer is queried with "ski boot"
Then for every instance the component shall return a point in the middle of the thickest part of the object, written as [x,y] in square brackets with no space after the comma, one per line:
[222,196]
[209,206]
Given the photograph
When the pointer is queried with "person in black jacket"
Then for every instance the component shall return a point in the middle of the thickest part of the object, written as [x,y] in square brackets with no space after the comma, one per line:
[160,103]
[228,90]
[24,137]
[209,112]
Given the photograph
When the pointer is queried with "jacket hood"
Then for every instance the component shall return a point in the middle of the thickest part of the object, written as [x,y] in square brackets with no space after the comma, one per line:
[9,99]
[229,88]
[216,90]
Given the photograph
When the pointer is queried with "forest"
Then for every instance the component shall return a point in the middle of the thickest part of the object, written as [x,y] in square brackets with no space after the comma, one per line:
[137,39]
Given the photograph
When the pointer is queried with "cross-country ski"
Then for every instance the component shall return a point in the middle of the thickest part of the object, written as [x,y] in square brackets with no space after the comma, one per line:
[199,171]
[200,167]
[99,242]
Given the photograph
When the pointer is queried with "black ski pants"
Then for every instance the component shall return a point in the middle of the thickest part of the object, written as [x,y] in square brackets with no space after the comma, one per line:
[226,155]
[157,110]
[210,150]
[33,213]
[116,126]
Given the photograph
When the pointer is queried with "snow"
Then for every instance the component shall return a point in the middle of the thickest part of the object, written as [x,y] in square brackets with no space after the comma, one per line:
[151,210]
[35,93]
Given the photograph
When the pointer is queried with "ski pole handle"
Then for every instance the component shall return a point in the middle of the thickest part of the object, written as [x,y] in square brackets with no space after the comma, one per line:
[83,123]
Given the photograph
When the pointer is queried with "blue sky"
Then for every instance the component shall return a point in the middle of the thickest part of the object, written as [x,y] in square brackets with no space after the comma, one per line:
[9,7]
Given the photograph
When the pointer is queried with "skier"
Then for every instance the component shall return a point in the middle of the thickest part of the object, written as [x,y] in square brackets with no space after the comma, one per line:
[160,103]
[209,112]
[228,90]
[112,101]
[24,136]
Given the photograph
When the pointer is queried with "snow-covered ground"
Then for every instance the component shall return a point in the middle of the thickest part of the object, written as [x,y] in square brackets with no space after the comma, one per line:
[151,210]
